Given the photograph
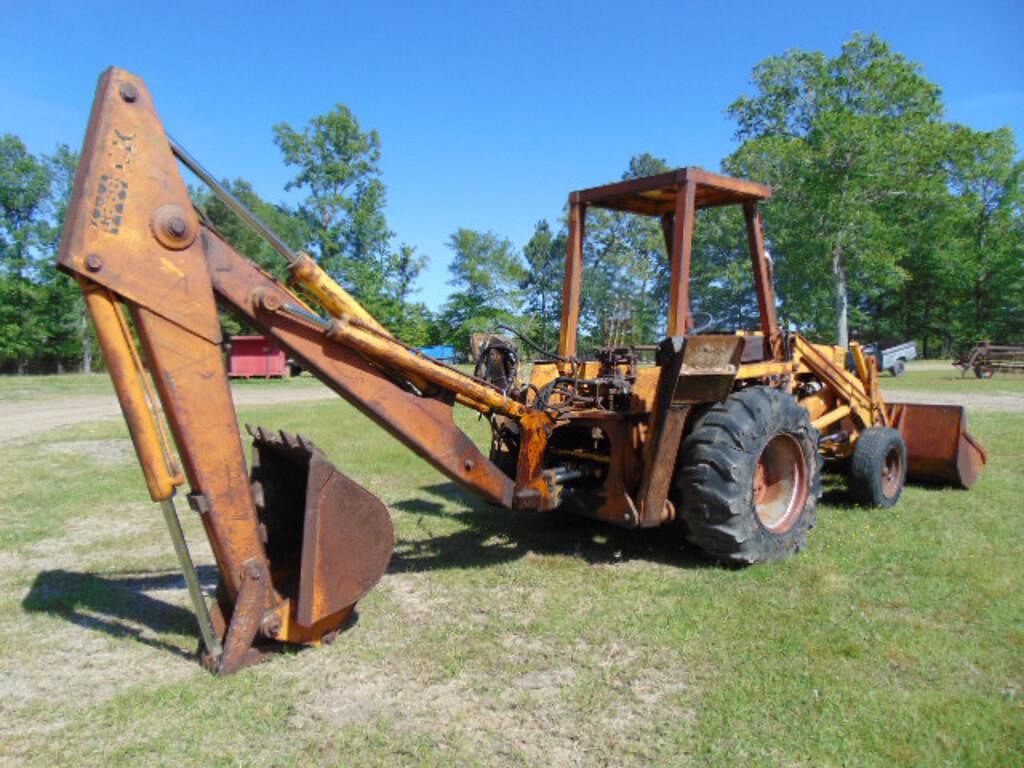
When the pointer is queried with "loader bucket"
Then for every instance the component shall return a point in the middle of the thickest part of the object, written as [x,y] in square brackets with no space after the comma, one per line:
[328,539]
[939,447]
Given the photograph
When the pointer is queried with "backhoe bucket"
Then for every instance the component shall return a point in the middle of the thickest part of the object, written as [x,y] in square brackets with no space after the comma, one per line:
[328,539]
[939,447]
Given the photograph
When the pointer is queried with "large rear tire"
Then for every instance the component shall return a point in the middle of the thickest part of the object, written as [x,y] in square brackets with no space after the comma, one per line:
[749,477]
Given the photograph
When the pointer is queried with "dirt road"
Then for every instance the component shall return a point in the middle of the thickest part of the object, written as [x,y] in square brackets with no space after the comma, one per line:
[975,401]
[20,418]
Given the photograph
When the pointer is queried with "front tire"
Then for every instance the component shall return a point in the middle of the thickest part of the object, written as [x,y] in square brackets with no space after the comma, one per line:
[878,469]
[750,477]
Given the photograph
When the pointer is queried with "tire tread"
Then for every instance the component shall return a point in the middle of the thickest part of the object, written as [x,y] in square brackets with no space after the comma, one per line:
[715,478]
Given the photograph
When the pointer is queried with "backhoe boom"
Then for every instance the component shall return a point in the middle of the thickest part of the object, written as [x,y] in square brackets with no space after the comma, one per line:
[141,252]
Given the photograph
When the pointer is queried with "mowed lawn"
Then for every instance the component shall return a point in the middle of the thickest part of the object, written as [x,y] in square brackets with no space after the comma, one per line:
[933,376]
[896,638]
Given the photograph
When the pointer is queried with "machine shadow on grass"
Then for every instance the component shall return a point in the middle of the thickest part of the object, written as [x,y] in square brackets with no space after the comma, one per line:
[493,536]
[119,604]
[836,492]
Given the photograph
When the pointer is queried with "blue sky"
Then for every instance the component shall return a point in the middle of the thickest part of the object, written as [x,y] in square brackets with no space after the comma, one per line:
[490,113]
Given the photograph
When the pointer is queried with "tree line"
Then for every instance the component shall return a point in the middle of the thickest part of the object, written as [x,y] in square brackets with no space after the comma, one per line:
[887,222]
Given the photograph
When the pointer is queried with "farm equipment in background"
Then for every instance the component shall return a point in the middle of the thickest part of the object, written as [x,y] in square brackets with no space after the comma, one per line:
[444,353]
[255,357]
[720,438]
[893,359]
[986,359]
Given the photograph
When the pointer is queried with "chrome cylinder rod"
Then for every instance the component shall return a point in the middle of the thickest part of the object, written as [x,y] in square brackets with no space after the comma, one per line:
[210,639]
[300,313]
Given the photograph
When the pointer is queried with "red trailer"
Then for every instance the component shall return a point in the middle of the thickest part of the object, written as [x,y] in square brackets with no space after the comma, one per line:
[255,356]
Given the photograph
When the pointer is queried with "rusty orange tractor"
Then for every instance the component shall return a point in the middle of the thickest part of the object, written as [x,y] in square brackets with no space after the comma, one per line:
[721,437]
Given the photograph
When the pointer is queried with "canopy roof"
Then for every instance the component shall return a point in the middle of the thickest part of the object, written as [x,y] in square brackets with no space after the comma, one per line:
[656,195]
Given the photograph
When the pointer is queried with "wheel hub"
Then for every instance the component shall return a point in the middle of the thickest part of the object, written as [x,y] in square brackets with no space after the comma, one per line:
[892,473]
[780,484]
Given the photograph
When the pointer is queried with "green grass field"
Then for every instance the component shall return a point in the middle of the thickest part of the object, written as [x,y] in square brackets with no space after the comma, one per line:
[896,638]
[948,380]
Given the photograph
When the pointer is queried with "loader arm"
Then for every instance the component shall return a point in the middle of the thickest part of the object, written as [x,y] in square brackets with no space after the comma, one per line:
[293,561]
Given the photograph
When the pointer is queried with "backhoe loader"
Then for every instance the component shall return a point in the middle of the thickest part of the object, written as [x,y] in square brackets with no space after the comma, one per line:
[721,438]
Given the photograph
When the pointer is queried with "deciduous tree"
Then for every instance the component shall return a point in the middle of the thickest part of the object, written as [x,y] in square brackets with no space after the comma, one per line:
[25,182]
[486,273]
[338,168]
[542,283]
[845,141]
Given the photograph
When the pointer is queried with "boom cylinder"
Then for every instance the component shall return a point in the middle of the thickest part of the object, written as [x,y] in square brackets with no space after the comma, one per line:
[389,352]
[161,476]
[332,296]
